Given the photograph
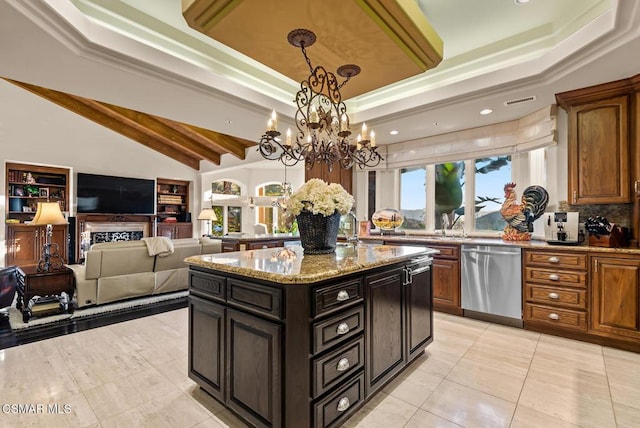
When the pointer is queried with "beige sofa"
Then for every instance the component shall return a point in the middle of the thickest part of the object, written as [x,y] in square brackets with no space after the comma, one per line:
[122,270]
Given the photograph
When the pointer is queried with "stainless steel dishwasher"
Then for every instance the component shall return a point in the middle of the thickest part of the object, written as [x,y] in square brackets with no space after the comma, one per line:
[492,283]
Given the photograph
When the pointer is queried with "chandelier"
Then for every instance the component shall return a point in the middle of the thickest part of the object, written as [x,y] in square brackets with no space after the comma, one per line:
[323,133]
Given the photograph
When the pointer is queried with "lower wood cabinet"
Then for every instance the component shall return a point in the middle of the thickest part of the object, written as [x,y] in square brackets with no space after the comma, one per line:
[446,279]
[25,242]
[615,287]
[175,230]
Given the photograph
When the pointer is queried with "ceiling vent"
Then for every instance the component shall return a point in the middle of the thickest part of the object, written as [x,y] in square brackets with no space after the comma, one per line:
[520,100]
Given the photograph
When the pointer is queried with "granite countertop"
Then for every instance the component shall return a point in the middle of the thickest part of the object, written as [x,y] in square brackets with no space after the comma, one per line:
[290,266]
[534,243]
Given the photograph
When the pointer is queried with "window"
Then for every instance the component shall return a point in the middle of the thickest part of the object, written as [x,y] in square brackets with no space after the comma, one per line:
[490,177]
[217,225]
[234,221]
[449,195]
[413,197]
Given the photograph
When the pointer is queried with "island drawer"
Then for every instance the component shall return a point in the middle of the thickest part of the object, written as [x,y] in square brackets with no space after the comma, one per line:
[556,277]
[207,284]
[331,369]
[261,300]
[337,329]
[333,297]
[560,296]
[564,318]
[556,260]
[335,408]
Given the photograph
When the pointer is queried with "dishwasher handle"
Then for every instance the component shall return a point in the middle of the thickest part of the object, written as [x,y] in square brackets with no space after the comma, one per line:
[500,253]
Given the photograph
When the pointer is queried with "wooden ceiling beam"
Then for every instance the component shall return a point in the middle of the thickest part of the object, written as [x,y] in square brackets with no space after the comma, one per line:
[182,142]
[156,126]
[237,148]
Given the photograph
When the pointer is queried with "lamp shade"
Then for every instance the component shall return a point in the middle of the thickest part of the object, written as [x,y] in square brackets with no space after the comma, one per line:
[48,213]
[207,214]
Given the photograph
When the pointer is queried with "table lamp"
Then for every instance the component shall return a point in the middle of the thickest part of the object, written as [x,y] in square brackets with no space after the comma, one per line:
[48,213]
[208,215]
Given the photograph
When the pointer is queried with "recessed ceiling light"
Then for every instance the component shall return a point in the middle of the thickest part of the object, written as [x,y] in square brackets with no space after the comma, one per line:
[486,111]
[394,132]
[518,2]
[436,123]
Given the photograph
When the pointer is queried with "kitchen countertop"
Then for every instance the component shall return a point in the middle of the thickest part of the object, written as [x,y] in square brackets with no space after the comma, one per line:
[290,265]
[535,244]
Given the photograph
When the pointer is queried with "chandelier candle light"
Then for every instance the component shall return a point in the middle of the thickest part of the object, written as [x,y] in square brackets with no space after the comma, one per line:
[322,121]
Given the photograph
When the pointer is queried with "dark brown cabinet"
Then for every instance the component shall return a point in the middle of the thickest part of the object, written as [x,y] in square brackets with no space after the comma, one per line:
[305,355]
[175,230]
[253,380]
[25,242]
[386,318]
[399,321]
[615,287]
[419,306]
[206,345]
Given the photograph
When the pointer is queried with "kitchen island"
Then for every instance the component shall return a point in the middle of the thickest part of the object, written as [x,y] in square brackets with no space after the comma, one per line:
[287,340]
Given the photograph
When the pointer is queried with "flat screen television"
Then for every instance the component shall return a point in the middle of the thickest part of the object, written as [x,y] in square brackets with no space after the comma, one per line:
[106,194]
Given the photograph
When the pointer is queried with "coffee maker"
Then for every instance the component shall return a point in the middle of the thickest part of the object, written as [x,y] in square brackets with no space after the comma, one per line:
[561,227]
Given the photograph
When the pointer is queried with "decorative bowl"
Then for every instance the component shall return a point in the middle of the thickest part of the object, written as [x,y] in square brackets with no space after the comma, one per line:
[387,219]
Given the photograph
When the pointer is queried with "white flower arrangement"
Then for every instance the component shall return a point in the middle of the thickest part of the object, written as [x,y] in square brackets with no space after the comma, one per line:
[318,197]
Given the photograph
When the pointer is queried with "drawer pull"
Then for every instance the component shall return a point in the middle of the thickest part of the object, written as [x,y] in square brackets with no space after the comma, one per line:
[554,260]
[343,328]
[553,316]
[343,404]
[554,296]
[343,364]
[554,277]
[342,296]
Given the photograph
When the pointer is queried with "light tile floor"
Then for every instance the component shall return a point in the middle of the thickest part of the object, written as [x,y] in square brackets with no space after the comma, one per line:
[474,374]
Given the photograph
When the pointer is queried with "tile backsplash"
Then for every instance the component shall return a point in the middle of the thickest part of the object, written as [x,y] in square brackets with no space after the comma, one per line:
[620,214]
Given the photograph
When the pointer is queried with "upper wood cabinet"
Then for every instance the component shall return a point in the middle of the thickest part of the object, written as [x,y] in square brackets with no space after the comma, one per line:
[599,157]
[600,146]
[338,175]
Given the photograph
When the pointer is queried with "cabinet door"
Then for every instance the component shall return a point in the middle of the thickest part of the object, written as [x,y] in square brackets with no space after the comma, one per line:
[183,230]
[419,313]
[599,152]
[60,236]
[385,327]
[23,247]
[165,230]
[206,345]
[446,286]
[615,309]
[254,378]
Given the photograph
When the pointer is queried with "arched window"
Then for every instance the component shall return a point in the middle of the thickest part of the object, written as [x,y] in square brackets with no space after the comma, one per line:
[229,216]
[274,217]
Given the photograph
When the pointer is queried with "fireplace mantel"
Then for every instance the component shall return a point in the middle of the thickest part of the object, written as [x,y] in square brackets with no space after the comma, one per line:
[147,223]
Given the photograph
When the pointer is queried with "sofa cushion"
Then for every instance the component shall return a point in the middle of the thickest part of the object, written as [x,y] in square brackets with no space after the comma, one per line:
[176,260]
[171,280]
[120,287]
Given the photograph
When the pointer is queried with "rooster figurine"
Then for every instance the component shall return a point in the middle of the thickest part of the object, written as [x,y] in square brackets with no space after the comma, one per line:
[520,217]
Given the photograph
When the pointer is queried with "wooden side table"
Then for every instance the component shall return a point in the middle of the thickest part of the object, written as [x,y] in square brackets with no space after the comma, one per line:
[32,283]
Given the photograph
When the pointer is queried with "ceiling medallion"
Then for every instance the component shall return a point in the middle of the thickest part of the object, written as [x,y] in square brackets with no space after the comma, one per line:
[322,121]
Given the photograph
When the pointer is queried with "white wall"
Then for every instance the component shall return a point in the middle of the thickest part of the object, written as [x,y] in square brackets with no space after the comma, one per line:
[34,130]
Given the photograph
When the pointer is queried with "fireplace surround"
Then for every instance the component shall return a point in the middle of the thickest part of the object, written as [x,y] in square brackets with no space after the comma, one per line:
[94,228]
